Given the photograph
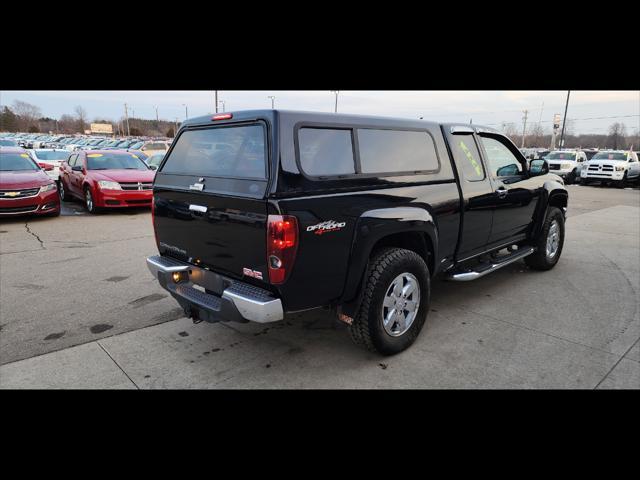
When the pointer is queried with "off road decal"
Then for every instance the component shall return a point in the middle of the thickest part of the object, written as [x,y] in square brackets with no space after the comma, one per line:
[472,160]
[325,227]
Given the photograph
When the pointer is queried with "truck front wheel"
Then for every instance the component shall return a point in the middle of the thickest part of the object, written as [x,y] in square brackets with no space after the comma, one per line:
[550,242]
[395,301]
[622,183]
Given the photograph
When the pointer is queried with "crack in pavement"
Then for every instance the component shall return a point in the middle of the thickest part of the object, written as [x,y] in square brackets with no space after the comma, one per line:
[117,365]
[26,225]
[616,364]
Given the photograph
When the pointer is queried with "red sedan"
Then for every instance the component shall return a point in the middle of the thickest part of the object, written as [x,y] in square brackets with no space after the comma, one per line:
[24,186]
[106,179]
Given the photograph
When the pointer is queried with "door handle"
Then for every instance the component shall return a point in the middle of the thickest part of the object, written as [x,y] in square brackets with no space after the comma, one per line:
[502,192]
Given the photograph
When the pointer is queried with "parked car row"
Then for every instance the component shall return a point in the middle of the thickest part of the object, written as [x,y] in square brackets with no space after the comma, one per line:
[35,181]
[143,147]
[617,167]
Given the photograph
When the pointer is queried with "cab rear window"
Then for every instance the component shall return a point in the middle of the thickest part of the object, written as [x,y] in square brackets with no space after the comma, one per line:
[234,151]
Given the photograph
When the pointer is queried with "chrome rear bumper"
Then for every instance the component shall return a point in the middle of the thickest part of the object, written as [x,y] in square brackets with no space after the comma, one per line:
[229,300]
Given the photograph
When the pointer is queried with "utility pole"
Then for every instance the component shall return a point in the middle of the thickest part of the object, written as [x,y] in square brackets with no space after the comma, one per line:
[157,118]
[272,101]
[566,106]
[216,100]
[524,127]
[186,111]
[336,92]
[554,131]
[126,116]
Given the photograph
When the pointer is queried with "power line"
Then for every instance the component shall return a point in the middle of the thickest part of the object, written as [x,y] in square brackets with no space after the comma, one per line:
[576,119]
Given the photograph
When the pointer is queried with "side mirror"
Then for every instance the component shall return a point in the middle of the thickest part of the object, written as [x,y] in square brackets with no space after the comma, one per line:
[153,167]
[538,167]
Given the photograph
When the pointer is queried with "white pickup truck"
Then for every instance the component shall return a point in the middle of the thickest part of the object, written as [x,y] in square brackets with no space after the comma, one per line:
[566,164]
[611,167]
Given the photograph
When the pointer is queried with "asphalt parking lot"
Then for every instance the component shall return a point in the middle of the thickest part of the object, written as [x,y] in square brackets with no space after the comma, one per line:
[79,309]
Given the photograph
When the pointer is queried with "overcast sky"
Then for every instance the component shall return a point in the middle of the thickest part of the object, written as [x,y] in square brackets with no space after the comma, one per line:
[483,107]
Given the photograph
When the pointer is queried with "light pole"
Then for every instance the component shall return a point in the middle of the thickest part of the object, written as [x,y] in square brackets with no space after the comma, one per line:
[186,111]
[216,101]
[272,100]
[524,126]
[336,92]
[126,116]
[157,118]
[566,106]
[223,105]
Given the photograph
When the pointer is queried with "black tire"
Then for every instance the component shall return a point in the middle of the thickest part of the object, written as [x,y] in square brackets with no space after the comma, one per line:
[622,183]
[540,260]
[384,267]
[571,178]
[88,201]
[64,196]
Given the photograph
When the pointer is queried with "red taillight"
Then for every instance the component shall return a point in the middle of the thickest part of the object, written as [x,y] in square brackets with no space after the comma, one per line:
[45,166]
[282,244]
[222,116]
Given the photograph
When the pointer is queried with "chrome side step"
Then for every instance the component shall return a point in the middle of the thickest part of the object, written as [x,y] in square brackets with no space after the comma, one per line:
[487,268]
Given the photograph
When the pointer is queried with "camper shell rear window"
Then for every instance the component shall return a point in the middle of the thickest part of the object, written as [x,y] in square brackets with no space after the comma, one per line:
[229,151]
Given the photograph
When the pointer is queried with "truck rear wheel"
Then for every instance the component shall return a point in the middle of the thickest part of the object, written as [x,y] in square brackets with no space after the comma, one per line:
[550,242]
[395,302]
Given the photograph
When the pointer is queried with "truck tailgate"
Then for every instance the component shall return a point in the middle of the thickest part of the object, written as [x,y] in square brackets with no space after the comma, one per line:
[225,234]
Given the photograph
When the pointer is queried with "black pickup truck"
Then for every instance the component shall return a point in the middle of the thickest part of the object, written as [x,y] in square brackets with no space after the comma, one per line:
[258,214]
